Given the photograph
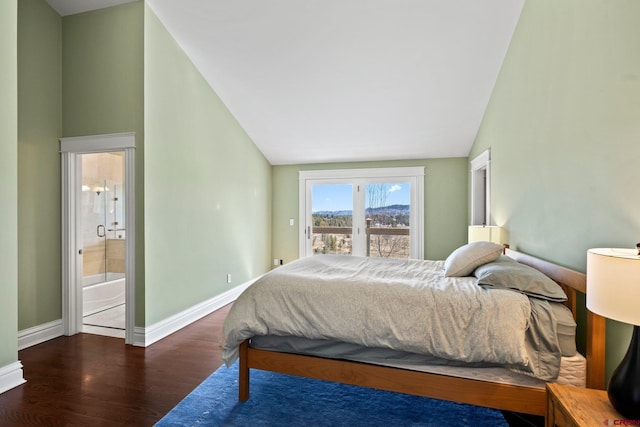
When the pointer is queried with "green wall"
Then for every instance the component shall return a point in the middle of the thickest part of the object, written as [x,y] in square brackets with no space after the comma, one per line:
[84,74]
[39,127]
[445,199]
[103,92]
[207,187]
[8,182]
[563,125]
[103,75]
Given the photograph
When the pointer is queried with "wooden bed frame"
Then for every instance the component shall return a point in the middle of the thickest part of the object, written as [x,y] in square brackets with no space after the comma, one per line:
[529,400]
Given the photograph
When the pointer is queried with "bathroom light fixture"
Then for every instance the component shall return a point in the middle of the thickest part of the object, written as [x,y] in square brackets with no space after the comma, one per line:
[98,189]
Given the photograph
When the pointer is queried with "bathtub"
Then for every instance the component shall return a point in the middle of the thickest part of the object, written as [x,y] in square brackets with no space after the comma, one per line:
[98,295]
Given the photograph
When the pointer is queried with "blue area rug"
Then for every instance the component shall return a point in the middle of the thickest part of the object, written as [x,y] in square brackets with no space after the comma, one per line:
[285,400]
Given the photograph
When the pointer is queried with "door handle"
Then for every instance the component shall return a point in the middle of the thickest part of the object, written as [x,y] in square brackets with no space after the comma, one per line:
[308,232]
[100,230]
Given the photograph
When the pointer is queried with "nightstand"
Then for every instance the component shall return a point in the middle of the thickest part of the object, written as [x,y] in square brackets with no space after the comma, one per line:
[569,406]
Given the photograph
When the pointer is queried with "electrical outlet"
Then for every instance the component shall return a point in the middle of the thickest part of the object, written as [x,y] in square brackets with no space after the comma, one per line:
[291,222]
[228,278]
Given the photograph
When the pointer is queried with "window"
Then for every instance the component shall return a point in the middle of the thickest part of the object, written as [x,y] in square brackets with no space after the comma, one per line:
[364,212]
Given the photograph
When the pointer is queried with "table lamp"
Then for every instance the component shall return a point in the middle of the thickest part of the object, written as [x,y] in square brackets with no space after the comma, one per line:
[488,233]
[613,291]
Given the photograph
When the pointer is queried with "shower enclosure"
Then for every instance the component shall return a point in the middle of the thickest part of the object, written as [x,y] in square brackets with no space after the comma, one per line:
[103,243]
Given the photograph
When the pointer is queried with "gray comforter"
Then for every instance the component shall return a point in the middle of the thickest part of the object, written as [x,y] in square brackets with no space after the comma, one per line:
[406,305]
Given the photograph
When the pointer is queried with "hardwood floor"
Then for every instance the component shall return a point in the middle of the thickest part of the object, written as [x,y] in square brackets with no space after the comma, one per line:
[91,380]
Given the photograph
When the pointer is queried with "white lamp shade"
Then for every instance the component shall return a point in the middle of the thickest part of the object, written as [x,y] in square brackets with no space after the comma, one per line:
[485,233]
[613,284]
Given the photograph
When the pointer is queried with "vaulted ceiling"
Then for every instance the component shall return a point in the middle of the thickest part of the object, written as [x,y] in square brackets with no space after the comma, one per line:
[352,80]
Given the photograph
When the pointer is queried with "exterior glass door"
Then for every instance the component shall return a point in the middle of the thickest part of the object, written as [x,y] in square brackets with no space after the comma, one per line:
[362,212]
[332,218]
[388,217]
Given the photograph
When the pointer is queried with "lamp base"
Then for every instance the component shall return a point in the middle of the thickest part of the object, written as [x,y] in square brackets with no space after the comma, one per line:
[624,387]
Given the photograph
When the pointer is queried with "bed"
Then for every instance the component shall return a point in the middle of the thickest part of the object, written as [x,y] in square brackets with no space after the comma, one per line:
[260,344]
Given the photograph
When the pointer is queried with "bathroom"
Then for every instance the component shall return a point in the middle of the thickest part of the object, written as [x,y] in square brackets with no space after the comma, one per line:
[103,242]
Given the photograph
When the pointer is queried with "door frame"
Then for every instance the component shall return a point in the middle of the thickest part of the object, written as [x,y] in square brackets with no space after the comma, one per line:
[481,189]
[71,150]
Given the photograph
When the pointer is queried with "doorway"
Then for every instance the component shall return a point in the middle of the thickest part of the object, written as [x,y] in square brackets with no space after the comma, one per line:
[103,232]
[98,235]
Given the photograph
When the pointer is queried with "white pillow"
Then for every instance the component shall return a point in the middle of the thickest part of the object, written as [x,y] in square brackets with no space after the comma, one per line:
[467,258]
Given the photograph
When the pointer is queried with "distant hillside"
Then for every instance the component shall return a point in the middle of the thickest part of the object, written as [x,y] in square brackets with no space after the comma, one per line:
[385,210]
[389,210]
[333,213]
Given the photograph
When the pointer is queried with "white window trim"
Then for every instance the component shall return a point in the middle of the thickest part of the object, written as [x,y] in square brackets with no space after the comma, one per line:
[414,175]
[481,196]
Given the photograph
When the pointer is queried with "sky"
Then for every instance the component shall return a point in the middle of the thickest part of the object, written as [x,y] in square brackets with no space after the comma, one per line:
[338,197]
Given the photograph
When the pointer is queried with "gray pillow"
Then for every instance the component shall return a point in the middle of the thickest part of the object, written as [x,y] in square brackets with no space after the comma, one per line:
[467,258]
[506,273]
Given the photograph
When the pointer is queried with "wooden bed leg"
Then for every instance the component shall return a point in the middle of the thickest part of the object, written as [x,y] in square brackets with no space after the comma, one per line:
[243,377]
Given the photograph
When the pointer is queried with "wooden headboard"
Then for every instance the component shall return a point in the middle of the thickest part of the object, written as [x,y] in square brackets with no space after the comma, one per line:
[573,282]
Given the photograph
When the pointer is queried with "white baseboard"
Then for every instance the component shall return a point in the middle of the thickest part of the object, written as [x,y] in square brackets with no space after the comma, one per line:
[144,337]
[39,334]
[11,376]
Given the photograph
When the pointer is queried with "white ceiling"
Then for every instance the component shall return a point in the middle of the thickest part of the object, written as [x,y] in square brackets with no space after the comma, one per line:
[71,7]
[346,80]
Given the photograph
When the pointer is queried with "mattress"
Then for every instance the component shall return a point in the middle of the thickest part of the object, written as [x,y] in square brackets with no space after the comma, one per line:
[572,368]
[573,371]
